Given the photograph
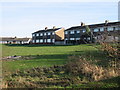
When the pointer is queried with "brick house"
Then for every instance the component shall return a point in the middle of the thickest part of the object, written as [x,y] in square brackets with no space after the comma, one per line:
[48,36]
[77,34]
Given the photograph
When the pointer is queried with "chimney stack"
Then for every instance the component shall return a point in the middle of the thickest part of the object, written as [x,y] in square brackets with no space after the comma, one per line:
[54,27]
[106,22]
[46,28]
[82,24]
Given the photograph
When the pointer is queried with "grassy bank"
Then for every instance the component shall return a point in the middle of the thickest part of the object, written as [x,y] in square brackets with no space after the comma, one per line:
[57,67]
[44,55]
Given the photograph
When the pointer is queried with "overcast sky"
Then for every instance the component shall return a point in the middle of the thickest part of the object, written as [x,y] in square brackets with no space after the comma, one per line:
[23,18]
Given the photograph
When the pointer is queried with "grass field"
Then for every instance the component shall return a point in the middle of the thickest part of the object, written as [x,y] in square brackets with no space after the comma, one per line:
[45,55]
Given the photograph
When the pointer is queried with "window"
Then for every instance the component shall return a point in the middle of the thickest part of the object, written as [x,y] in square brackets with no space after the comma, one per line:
[101,29]
[33,41]
[37,34]
[37,41]
[78,31]
[66,38]
[48,40]
[72,38]
[53,33]
[53,40]
[110,28]
[96,30]
[45,34]
[71,32]
[105,29]
[41,34]
[83,31]
[66,32]
[41,40]
[33,35]
[116,28]
[77,38]
[48,33]
[88,38]
[45,40]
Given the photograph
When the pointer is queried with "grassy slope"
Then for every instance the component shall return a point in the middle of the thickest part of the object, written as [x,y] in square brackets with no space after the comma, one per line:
[48,55]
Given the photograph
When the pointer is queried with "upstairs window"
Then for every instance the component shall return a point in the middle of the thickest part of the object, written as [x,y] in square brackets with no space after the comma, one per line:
[33,35]
[66,32]
[72,32]
[78,31]
[96,30]
[101,29]
[83,31]
[48,33]
[110,28]
[45,34]
[116,28]
[41,34]
[37,34]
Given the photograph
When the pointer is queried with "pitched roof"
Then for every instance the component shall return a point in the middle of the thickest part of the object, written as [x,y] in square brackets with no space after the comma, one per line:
[48,30]
[95,25]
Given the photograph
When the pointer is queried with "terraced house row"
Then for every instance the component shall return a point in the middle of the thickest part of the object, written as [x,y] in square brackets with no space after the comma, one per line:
[107,31]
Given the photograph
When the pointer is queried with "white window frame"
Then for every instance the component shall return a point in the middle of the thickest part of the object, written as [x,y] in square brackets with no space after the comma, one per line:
[37,40]
[37,34]
[72,32]
[53,40]
[78,31]
[116,28]
[33,41]
[66,38]
[110,28]
[96,30]
[41,40]
[48,33]
[83,31]
[48,40]
[72,38]
[41,34]
[33,35]
[66,32]
[53,33]
[44,34]
[101,29]
[88,38]
[45,40]
[77,38]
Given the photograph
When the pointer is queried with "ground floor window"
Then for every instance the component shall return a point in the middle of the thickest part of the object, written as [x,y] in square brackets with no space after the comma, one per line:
[48,40]
[41,40]
[53,40]
[37,41]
